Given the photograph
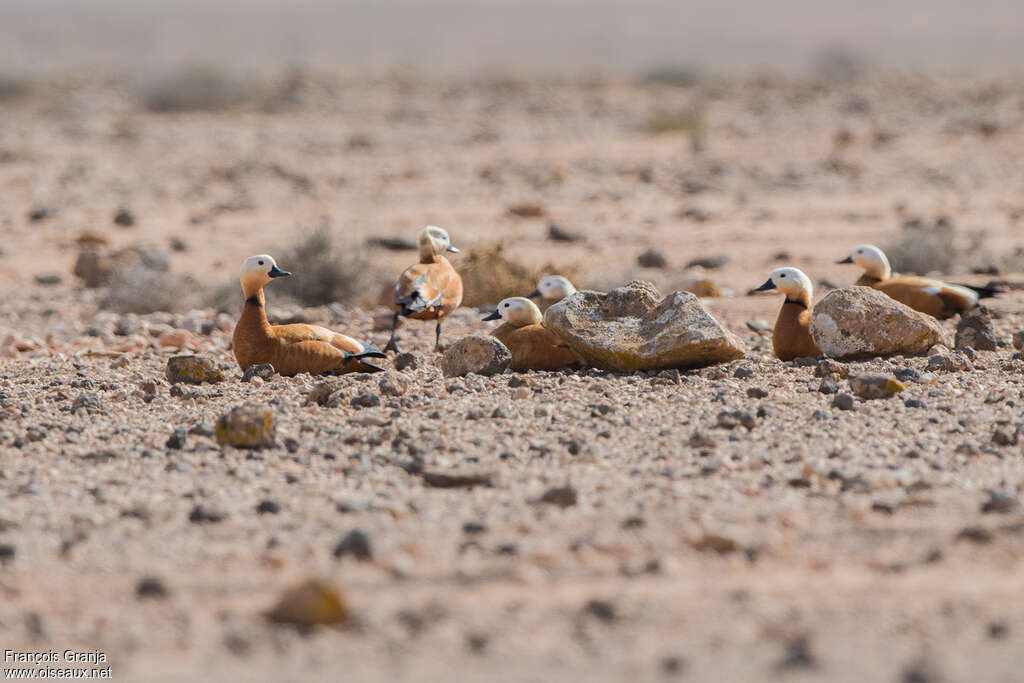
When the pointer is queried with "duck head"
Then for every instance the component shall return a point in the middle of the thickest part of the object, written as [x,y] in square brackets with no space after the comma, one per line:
[257,271]
[517,311]
[434,242]
[553,288]
[871,259]
[792,282]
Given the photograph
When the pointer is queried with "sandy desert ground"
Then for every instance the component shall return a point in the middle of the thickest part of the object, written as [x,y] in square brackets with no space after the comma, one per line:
[883,543]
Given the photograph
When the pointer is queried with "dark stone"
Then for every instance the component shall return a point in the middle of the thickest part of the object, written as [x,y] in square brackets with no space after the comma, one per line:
[601,609]
[151,587]
[366,400]
[176,441]
[651,258]
[268,507]
[562,496]
[264,371]
[205,515]
[406,361]
[124,217]
[355,543]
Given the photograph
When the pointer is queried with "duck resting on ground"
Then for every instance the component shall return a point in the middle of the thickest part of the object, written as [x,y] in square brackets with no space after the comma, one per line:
[791,337]
[934,297]
[429,290]
[533,346]
[552,289]
[291,349]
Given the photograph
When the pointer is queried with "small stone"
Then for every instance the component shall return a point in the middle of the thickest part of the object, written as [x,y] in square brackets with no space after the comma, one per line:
[394,384]
[355,543]
[201,514]
[452,478]
[914,403]
[562,496]
[601,609]
[1002,437]
[246,426]
[151,587]
[202,429]
[473,528]
[736,418]
[316,602]
[268,507]
[907,374]
[843,401]
[482,355]
[758,325]
[124,217]
[826,367]
[948,362]
[407,361]
[743,372]
[712,262]
[322,393]
[757,392]
[651,258]
[39,213]
[176,441]
[828,386]
[1018,340]
[48,280]
[7,553]
[90,403]
[193,370]
[798,655]
[999,503]
[264,371]
[875,386]
[527,211]
[366,399]
[975,330]
[557,233]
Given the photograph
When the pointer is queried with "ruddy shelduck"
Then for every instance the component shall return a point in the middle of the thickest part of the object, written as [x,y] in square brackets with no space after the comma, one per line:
[291,349]
[791,337]
[552,289]
[934,297]
[533,346]
[429,290]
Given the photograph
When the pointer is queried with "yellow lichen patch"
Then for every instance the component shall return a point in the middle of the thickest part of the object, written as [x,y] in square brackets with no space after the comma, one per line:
[315,602]
[192,370]
[246,426]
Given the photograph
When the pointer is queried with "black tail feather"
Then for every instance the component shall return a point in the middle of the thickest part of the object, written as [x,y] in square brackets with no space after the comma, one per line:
[986,292]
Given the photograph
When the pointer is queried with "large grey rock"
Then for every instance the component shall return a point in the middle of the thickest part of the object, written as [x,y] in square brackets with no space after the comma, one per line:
[635,328]
[859,322]
[478,354]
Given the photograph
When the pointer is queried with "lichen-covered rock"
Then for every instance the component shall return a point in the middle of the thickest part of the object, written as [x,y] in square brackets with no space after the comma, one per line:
[475,354]
[976,331]
[875,386]
[193,370]
[246,426]
[316,602]
[859,322]
[264,371]
[635,328]
[324,391]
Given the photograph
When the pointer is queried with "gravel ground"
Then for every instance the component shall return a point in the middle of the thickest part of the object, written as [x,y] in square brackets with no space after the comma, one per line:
[727,523]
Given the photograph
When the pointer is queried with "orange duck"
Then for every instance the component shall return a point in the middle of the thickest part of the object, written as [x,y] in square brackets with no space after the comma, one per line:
[291,349]
[533,346]
[792,336]
[429,290]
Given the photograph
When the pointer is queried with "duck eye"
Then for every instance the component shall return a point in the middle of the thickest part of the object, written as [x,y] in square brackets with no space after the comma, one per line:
[261,263]
[782,275]
[507,305]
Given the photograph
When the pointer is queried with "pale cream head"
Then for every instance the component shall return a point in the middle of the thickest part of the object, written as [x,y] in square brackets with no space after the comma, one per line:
[257,271]
[434,241]
[554,288]
[793,283]
[518,311]
[872,260]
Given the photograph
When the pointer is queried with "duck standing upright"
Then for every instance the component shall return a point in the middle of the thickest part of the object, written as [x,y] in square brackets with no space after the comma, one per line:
[429,290]
[552,289]
[291,349]
[791,337]
[934,297]
[533,346]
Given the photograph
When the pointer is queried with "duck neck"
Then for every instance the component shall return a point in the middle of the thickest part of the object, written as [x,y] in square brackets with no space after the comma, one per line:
[427,254]
[254,315]
[803,300]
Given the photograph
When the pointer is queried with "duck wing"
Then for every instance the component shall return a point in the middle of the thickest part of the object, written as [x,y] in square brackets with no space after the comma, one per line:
[417,290]
[321,345]
[934,297]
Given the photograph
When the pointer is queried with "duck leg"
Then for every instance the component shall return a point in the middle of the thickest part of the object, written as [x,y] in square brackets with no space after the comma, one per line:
[437,336]
[392,344]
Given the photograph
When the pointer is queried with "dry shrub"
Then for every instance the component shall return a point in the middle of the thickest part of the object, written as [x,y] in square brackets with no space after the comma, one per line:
[326,271]
[687,121]
[193,88]
[141,289]
[921,248]
[488,276]
[677,76]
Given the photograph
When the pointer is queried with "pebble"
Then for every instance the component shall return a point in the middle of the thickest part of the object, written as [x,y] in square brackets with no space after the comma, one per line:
[315,602]
[999,503]
[975,330]
[948,362]
[1018,340]
[478,354]
[365,399]
[193,370]
[447,478]
[736,418]
[757,392]
[176,441]
[263,371]
[843,401]
[875,386]
[90,403]
[394,384]
[407,361]
[355,543]
[651,258]
[246,426]
[828,386]
[201,514]
[151,587]
[7,553]
[562,496]
[124,218]
[268,507]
